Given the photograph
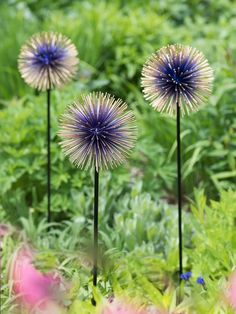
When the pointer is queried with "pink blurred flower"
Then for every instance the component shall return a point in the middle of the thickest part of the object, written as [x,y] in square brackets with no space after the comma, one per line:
[122,307]
[231,295]
[34,291]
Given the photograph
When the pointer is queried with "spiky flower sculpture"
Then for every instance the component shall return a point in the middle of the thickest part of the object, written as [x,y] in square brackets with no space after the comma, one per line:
[177,74]
[97,132]
[177,79]
[48,60]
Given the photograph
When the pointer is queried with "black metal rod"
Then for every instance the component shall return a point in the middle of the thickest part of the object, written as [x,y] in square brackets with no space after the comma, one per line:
[179,188]
[95,230]
[49,155]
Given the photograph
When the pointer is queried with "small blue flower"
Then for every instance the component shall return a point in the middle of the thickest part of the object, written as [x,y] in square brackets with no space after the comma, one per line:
[186,276]
[200,281]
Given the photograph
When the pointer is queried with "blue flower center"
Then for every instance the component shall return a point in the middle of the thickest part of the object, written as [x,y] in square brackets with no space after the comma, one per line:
[48,55]
[96,130]
[176,76]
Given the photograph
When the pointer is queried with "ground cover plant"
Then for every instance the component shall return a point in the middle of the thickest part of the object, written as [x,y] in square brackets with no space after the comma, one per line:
[138,230]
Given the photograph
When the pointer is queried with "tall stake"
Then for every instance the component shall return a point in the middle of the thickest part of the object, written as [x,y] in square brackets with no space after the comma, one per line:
[95,230]
[49,154]
[179,187]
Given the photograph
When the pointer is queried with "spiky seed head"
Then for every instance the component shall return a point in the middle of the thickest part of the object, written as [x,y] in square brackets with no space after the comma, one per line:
[48,60]
[177,74]
[97,131]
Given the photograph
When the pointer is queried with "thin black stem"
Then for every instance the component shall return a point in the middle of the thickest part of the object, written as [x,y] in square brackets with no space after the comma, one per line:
[49,155]
[179,188]
[95,230]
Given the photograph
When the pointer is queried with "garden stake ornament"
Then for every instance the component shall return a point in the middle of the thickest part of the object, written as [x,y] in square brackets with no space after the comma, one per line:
[176,80]
[48,61]
[97,132]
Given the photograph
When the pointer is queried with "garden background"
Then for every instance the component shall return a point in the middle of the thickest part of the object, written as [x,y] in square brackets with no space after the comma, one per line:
[138,210]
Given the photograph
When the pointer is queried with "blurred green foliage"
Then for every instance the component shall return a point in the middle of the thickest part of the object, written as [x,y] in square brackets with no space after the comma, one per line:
[114,39]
